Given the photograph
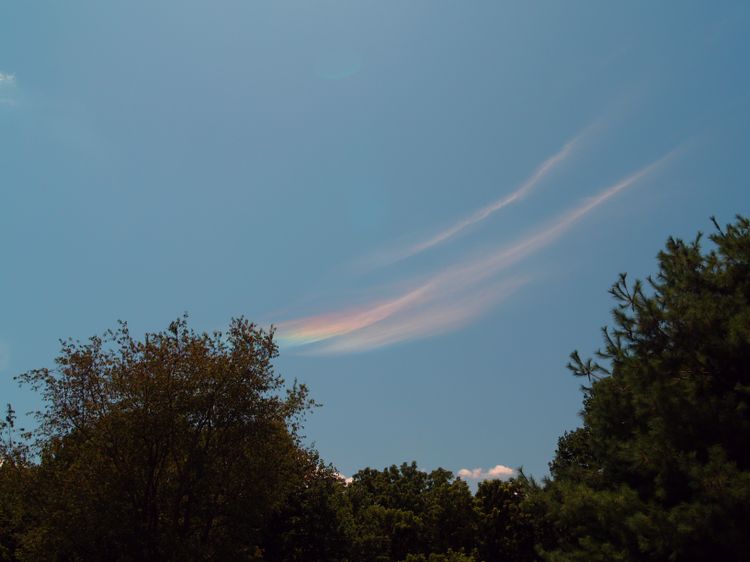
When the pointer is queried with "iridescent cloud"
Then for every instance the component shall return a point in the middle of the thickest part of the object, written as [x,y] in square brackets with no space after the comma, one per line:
[449,298]
[313,329]
[441,314]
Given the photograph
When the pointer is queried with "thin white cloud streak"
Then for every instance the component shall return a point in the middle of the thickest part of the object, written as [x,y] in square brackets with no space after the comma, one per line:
[7,79]
[449,299]
[497,472]
[542,171]
[501,259]
[478,216]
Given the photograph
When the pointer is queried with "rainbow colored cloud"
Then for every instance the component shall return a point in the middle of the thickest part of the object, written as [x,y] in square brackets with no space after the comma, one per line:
[450,297]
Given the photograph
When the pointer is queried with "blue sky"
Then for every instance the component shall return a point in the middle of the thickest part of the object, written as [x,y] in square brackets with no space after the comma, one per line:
[416,193]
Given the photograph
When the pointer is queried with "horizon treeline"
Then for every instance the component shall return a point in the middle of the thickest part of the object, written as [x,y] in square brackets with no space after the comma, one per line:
[187,446]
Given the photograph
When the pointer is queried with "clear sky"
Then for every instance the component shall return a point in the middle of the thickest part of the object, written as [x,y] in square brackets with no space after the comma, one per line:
[430,199]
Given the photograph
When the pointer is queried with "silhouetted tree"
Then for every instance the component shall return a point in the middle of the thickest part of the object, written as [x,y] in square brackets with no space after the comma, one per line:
[661,468]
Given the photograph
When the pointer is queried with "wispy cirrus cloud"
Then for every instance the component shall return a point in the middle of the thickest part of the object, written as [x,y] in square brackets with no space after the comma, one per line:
[7,79]
[448,299]
[497,472]
[536,177]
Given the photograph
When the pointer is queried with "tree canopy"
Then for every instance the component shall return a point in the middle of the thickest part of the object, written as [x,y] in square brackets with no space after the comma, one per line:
[174,447]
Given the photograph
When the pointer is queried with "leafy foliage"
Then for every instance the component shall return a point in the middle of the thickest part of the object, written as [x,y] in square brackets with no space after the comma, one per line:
[174,447]
[506,527]
[315,522]
[402,510]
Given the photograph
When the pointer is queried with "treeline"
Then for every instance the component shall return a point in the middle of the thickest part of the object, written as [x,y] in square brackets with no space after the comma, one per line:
[186,446]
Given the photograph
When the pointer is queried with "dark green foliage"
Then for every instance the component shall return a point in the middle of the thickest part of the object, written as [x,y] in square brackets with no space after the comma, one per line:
[402,510]
[402,513]
[176,447]
[506,529]
[661,468]
[574,458]
[315,523]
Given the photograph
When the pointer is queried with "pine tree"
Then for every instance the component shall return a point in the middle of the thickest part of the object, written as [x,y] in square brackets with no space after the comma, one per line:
[661,468]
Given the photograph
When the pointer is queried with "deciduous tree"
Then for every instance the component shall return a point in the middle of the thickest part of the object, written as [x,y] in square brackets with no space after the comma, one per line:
[178,446]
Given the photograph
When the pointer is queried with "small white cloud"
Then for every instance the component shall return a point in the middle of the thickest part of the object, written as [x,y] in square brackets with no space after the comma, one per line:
[347,479]
[500,471]
[470,474]
[7,79]
[497,472]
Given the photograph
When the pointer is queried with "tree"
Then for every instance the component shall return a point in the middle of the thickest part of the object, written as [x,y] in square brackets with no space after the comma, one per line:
[574,459]
[661,468]
[403,511]
[14,474]
[315,522]
[506,528]
[179,446]
[451,518]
